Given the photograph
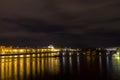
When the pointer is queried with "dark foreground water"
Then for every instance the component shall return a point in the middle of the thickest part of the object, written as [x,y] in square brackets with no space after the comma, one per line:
[77,68]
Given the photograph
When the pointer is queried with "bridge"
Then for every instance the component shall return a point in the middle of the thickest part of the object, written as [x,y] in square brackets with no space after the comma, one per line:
[53,52]
[58,54]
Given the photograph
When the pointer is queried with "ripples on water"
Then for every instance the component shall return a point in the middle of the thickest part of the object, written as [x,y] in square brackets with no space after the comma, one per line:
[65,68]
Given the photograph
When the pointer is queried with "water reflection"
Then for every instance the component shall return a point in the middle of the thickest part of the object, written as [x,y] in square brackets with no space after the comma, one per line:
[55,68]
[91,67]
[16,68]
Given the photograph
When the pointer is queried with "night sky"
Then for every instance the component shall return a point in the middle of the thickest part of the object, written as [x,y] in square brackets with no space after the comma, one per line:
[63,23]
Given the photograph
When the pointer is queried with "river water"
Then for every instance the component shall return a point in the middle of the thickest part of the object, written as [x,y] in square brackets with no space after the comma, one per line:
[64,68]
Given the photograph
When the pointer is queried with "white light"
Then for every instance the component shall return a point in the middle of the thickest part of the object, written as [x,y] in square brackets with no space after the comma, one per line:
[111,49]
[51,46]
[118,53]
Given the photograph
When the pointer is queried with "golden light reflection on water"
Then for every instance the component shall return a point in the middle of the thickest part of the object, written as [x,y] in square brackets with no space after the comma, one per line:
[14,68]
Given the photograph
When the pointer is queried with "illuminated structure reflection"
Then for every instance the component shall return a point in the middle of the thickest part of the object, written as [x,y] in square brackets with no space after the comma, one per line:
[16,68]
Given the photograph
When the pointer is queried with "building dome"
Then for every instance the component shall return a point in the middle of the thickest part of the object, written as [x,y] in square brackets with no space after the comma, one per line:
[50,46]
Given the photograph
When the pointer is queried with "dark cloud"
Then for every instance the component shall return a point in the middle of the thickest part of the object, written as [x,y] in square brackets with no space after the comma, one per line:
[82,23]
